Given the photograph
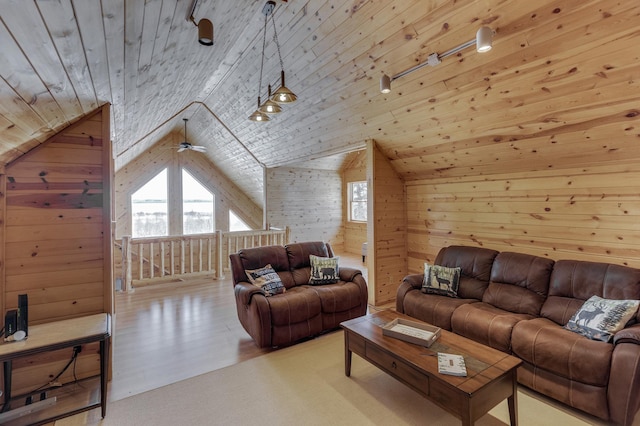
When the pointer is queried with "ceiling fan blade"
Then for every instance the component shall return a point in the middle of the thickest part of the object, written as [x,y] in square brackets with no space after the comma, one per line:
[200,148]
[182,149]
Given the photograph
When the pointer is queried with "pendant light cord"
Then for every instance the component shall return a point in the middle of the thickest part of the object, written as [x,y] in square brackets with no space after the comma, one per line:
[275,37]
[264,43]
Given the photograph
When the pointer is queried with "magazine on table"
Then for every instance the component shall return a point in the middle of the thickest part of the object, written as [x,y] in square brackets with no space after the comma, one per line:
[451,364]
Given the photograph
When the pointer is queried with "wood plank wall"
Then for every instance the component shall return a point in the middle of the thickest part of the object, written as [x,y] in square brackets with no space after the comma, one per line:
[164,155]
[579,213]
[355,233]
[387,229]
[57,238]
[308,201]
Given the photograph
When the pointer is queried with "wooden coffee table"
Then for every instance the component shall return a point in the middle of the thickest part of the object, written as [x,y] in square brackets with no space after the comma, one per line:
[491,374]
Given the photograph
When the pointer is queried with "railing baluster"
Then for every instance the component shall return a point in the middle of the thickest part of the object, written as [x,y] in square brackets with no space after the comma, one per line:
[151,262]
[216,247]
[162,254]
[141,261]
[172,261]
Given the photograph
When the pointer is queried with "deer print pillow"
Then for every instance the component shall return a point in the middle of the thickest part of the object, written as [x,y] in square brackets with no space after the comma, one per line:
[600,319]
[441,280]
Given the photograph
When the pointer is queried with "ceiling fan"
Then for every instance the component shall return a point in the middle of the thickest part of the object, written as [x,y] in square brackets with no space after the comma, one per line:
[186,146]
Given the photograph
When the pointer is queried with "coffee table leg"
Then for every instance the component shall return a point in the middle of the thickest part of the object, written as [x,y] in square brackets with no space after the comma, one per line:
[347,355]
[513,401]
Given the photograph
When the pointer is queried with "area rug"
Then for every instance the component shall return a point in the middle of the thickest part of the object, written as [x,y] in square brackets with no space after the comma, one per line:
[305,385]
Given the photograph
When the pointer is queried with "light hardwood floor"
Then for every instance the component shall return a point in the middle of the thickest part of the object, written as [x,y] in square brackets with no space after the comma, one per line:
[173,331]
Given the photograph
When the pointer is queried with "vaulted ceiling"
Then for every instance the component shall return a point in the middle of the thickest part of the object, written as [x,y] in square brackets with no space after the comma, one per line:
[556,66]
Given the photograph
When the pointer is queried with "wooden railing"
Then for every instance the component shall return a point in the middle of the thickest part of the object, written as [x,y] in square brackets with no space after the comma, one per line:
[157,259]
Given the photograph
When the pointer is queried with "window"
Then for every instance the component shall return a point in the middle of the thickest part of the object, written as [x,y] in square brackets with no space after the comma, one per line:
[149,208]
[236,224]
[197,206]
[358,201]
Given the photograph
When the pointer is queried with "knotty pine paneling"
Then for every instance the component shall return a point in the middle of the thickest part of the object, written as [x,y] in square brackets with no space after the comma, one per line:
[354,170]
[56,237]
[387,231]
[578,213]
[308,201]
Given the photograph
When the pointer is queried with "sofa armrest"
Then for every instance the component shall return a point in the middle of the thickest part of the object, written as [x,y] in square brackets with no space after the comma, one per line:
[245,291]
[623,390]
[628,335]
[348,274]
[414,280]
[409,283]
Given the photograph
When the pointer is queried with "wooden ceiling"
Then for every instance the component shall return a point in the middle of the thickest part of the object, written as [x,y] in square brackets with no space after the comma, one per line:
[557,66]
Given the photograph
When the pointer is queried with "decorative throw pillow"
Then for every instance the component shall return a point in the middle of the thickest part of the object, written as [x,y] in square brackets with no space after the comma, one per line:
[324,270]
[267,279]
[441,280]
[600,319]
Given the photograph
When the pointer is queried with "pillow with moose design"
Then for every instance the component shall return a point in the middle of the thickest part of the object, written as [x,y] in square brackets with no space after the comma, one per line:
[600,319]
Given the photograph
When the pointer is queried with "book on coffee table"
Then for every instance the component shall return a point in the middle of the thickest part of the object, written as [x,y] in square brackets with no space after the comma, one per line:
[451,364]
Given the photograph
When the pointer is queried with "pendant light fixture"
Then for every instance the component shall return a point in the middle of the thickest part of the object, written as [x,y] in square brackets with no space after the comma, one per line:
[283,94]
[258,115]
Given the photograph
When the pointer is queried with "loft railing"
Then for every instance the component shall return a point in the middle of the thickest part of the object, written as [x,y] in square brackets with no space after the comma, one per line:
[156,259]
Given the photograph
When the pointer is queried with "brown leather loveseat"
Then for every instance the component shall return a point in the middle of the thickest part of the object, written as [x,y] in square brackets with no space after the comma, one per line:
[520,304]
[303,310]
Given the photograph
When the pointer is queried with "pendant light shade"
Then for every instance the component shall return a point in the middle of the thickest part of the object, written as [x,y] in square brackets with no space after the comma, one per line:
[258,115]
[283,95]
[483,39]
[269,106]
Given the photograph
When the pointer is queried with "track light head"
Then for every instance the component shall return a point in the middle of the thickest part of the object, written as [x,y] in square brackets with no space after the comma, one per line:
[484,39]
[205,32]
[385,84]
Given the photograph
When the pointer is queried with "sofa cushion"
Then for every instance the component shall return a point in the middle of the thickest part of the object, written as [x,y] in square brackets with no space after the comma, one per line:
[267,279]
[338,297]
[519,283]
[486,324]
[475,268]
[600,319]
[549,346]
[299,260]
[573,281]
[432,308]
[441,280]
[298,304]
[298,253]
[258,257]
[324,270]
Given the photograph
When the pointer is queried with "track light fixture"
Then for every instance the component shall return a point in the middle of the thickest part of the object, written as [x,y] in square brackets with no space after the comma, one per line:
[482,42]
[283,94]
[205,27]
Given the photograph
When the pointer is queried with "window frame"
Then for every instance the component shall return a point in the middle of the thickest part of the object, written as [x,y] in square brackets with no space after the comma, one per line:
[350,195]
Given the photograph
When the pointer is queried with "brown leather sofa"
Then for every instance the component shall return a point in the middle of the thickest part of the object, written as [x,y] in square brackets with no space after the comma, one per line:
[303,310]
[520,303]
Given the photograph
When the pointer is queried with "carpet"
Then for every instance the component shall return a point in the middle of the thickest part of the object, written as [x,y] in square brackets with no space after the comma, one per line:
[305,385]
